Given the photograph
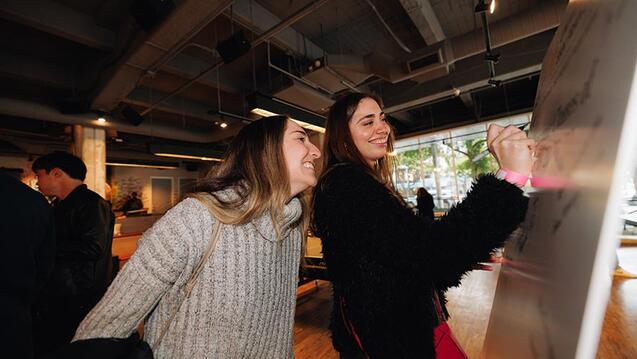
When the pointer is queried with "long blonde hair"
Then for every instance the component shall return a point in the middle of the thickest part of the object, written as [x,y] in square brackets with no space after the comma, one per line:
[254,168]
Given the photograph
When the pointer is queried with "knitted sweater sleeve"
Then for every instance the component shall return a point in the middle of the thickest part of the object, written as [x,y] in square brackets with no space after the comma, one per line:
[356,208]
[160,259]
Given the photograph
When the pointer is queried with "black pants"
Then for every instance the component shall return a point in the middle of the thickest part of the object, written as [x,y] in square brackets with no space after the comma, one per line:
[16,329]
[57,320]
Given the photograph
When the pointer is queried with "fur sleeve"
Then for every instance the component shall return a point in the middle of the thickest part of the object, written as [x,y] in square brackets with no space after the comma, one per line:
[353,206]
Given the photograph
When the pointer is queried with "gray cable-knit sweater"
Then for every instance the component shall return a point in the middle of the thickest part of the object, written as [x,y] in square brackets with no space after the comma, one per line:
[242,305]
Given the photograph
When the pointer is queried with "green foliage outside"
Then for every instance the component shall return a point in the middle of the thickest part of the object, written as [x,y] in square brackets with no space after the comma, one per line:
[414,168]
[473,169]
[415,162]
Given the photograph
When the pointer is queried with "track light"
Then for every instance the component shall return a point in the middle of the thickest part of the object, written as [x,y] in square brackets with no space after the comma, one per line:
[490,57]
[482,6]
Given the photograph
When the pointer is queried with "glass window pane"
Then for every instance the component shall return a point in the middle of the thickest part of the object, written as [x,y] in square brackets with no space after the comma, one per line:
[443,162]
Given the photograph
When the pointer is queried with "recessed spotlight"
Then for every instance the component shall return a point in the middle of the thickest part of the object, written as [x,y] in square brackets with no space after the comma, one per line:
[223,125]
[101,119]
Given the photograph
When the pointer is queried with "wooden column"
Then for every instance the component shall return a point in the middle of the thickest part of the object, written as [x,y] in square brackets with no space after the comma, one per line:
[89,144]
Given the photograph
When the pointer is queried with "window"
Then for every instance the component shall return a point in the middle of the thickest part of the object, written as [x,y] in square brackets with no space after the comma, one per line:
[443,162]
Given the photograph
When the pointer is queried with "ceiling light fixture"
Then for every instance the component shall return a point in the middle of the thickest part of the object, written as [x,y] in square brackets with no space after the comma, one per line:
[139,165]
[101,119]
[309,126]
[223,125]
[269,106]
[188,157]
[184,152]
[490,57]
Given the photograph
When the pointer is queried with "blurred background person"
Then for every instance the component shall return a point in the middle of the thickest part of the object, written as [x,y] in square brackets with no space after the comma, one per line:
[133,203]
[28,247]
[425,203]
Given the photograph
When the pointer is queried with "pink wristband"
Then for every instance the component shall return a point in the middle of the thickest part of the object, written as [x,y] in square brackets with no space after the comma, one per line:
[517,179]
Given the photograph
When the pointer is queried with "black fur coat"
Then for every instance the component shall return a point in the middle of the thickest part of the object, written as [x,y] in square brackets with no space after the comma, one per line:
[385,261]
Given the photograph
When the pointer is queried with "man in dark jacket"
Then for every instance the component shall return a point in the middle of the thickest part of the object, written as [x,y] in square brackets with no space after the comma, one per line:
[28,245]
[84,225]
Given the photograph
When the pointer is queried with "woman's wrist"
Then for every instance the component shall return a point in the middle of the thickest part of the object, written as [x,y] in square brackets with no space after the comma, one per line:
[513,177]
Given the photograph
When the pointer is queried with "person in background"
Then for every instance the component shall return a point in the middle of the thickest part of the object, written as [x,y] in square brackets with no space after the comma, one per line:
[386,264]
[84,225]
[108,193]
[28,245]
[242,304]
[425,204]
[133,203]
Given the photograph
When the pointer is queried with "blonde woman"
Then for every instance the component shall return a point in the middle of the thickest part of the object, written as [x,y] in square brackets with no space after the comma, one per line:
[242,304]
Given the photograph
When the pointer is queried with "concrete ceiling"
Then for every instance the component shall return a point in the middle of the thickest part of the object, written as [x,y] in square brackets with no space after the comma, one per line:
[69,58]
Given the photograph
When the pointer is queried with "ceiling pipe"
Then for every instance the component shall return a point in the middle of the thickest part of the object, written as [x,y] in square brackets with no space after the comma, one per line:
[19,108]
[147,49]
[298,78]
[262,38]
[380,17]
[531,22]
[468,88]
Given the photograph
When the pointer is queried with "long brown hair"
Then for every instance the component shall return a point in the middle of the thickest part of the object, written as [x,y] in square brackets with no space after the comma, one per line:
[254,167]
[339,147]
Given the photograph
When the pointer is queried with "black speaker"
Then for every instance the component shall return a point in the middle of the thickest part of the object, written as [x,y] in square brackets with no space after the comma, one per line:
[231,48]
[150,13]
[131,115]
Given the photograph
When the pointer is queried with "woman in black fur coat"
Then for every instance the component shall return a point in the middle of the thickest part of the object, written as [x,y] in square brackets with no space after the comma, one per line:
[385,263]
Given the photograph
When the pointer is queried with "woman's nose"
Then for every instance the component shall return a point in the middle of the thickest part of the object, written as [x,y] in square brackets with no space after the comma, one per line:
[314,151]
[383,128]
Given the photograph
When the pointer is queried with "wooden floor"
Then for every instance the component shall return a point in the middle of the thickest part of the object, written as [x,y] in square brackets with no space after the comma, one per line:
[470,306]
[619,333]
[311,336]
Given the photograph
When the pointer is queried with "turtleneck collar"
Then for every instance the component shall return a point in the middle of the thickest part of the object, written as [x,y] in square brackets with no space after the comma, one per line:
[263,224]
[291,214]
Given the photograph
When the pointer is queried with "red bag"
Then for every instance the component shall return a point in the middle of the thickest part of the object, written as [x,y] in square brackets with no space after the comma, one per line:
[446,345]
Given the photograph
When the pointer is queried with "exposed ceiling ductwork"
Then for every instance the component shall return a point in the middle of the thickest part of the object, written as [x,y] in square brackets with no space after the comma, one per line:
[314,54]
[333,70]
[174,33]
[18,108]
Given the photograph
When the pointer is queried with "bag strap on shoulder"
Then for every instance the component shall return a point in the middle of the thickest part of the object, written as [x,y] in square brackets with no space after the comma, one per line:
[190,284]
